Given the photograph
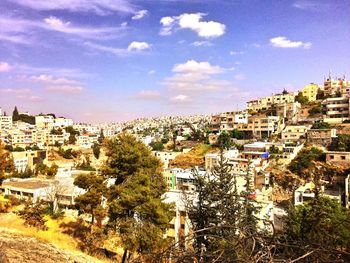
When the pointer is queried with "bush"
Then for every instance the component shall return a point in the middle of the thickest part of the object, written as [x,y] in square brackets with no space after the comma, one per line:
[321,125]
[33,215]
[315,110]
[157,146]
[304,160]
[341,143]
[5,206]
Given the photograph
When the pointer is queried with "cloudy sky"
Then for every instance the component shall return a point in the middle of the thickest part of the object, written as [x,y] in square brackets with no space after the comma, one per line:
[113,60]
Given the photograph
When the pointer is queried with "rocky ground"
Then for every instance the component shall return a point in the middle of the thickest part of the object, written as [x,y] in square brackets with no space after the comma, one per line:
[15,248]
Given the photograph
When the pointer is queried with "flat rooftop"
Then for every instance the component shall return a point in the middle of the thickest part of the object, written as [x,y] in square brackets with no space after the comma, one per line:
[27,184]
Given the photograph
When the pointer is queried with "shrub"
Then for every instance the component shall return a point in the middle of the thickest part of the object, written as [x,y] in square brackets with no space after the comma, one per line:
[304,160]
[33,215]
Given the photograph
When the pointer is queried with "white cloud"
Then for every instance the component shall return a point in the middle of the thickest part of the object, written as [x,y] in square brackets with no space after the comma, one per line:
[31,98]
[192,66]
[151,72]
[56,24]
[25,31]
[310,5]
[233,53]
[202,43]
[180,98]
[138,46]
[4,66]
[148,95]
[15,90]
[48,79]
[100,7]
[108,49]
[283,42]
[195,77]
[59,85]
[140,14]
[205,29]
[133,47]
[65,89]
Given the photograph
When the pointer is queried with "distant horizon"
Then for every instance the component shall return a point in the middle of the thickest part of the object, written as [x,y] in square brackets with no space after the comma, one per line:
[119,60]
[9,112]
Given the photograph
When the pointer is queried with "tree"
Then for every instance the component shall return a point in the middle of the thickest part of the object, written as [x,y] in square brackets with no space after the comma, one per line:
[91,201]
[101,137]
[33,215]
[96,149]
[156,146]
[15,114]
[6,163]
[223,219]
[320,227]
[321,125]
[341,143]
[224,140]
[284,92]
[304,160]
[72,134]
[237,134]
[315,110]
[301,98]
[136,211]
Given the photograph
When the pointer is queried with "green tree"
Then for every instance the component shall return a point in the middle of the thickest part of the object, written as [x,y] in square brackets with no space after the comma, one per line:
[315,110]
[321,125]
[341,143]
[223,219]
[224,140]
[304,160]
[91,201]
[237,134]
[6,163]
[301,99]
[15,114]
[101,138]
[136,211]
[33,215]
[96,150]
[72,134]
[156,146]
[320,227]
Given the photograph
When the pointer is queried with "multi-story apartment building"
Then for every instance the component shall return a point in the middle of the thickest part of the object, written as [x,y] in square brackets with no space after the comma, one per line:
[310,91]
[44,121]
[337,85]
[228,121]
[293,133]
[260,126]
[5,121]
[288,110]
[322,137]
[266,102]
[336,109]
[63,122]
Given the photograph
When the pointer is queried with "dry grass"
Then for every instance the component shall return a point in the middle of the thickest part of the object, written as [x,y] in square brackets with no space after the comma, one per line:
[11,223]
[195,157]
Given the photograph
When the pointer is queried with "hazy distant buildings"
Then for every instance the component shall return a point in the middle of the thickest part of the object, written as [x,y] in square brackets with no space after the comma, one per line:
[336,86]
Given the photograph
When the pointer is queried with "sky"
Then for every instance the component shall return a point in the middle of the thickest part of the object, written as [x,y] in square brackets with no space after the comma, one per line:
[117,60]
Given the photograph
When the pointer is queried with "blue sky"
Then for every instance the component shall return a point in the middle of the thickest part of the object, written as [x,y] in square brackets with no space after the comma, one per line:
[114,60]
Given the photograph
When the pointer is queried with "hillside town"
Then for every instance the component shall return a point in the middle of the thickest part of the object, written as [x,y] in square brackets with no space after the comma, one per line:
[264,142]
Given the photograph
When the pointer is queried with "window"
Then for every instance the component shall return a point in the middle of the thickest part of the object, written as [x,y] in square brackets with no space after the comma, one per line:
[342,157]
[331,156]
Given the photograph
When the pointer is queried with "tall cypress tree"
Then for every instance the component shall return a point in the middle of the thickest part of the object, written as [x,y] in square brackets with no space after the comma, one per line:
[15,114]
